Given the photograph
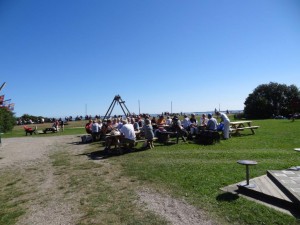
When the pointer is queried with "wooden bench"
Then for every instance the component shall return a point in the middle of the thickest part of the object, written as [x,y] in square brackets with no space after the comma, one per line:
[252,127]
[53,130]
[235,130]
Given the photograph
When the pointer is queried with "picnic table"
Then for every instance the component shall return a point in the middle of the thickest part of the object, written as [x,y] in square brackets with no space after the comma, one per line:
[116,138]
[50,129]
[237,126]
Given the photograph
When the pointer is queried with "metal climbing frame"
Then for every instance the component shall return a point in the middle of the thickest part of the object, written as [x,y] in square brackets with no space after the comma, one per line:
[117,99]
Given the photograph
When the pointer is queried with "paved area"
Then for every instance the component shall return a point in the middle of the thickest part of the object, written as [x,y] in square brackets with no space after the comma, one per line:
[289,180]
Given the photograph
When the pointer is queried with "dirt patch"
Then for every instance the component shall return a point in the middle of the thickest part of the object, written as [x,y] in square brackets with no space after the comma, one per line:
[178,212]
[29,155]
[49,205]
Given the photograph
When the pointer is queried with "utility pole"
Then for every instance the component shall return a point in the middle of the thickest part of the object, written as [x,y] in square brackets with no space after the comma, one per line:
[139,108]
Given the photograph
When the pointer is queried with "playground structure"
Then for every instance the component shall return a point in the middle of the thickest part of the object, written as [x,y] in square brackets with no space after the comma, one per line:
[117,99]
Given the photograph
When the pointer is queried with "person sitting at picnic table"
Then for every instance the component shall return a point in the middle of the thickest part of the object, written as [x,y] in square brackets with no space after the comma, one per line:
[153,120]
[141,121]
[128,135]
[88,127]
[168,121]
[226,123]
[161,121]
[107,127]
[55,125]
[186,123]
[193,124]
[211,123]
[115,122]
[135,124]
[177,127]
[203,120]
[149,135]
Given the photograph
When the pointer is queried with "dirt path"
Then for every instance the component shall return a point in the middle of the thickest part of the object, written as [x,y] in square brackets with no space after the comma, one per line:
[47,207]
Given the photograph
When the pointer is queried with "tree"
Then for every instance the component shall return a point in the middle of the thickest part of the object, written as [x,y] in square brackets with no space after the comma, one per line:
[272,99]
[7,120]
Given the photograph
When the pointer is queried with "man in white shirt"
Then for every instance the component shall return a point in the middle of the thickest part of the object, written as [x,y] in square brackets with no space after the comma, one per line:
[186,122]
[168,121]
[226,122]
[129,134]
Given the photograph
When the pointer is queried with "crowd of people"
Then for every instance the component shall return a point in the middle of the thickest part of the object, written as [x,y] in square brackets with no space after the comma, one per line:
[152,126]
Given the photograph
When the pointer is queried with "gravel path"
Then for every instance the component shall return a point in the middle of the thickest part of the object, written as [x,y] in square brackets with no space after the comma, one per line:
[47,206]
[178,212]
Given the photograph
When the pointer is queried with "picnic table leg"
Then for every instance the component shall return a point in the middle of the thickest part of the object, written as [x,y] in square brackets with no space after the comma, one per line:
[252,130]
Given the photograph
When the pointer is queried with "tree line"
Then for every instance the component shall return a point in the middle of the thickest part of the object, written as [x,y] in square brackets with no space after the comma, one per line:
[273,99]
[266,101]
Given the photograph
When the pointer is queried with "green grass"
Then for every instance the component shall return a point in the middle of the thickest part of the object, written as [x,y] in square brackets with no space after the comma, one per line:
[104,200]
[74,127]
[198,172]
[11,202]
[191,171]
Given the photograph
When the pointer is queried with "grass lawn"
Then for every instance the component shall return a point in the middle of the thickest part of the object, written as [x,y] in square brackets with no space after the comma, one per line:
[74,127]
[196,173]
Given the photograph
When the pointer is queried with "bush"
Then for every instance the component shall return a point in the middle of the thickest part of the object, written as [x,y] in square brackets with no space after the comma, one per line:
[7,120]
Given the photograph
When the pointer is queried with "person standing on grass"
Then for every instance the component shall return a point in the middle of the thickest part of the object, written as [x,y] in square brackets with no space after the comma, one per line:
[95,130]
[226,123]
[62,125]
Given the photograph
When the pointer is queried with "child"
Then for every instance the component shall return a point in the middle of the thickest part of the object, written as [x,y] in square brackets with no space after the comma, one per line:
[149,135]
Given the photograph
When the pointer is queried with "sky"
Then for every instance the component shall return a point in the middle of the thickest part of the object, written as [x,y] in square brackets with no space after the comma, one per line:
[71,57]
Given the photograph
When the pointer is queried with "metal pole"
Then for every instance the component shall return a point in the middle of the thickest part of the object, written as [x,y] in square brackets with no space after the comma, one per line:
[139,108]
[171,108]
[247,174]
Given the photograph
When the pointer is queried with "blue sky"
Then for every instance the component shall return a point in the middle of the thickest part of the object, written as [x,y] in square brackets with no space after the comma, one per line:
[63,57]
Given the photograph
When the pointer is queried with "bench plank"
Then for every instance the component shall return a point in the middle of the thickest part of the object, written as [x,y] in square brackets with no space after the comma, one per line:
[252,127]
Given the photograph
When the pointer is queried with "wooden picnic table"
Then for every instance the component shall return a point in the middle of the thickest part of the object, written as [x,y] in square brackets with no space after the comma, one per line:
[50,129]
[116,138]
[237,126]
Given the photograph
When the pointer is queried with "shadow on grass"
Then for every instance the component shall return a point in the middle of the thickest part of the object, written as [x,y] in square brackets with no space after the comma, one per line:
[104,154]
[227,197]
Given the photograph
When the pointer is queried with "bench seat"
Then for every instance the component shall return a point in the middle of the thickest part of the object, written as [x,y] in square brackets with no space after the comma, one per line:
[252,127]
